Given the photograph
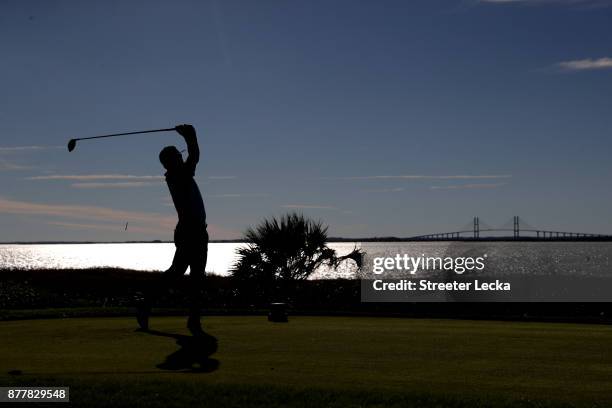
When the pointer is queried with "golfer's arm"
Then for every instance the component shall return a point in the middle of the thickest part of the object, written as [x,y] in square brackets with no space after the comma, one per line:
[193,150]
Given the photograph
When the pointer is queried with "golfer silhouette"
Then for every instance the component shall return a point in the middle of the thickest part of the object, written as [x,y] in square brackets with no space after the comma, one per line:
[190,235]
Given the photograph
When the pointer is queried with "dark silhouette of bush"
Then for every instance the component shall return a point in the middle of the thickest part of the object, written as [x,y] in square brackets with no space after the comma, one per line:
[282,251]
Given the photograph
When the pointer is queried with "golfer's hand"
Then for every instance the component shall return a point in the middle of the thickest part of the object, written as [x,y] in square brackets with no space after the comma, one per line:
[187,131]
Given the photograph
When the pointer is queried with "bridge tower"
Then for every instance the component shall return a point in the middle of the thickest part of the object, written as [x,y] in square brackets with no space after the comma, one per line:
[476,228]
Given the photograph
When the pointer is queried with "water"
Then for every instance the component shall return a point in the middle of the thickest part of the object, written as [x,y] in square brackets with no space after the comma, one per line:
[144,257]
[138,256]
[503,258]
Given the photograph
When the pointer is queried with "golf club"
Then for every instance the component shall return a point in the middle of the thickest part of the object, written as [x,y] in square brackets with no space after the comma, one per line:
[72,142]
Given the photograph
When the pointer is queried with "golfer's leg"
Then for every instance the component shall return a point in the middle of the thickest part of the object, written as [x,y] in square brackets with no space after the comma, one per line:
[177,269]
[160,285]
[197,274]
[180,262]
[171,278]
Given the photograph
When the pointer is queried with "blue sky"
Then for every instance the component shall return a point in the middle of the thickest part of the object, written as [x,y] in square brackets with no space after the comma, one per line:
[379,118]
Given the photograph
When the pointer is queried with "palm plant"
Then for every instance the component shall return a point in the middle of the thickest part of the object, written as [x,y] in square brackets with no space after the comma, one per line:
[284,250]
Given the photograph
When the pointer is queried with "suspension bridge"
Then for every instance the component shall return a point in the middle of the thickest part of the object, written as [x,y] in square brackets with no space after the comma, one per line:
[521,231]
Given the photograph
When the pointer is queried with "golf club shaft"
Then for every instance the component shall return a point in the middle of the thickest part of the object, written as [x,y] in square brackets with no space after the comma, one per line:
[127,133]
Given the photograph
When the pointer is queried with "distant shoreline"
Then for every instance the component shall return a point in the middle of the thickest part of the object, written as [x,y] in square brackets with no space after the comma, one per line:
[336,240]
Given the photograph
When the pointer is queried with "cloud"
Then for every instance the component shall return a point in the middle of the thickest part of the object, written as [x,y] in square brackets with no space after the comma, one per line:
[90,177]
[25,148]
[7,151]
[426,177]
[10,166]
[386,190]
[586,64]
[127,184]
[468,186]
[84,212]
[213,230]
[308,207]
[95,177]
[238,195]
[109,227]
[144,221]
[450,187]
[11,150]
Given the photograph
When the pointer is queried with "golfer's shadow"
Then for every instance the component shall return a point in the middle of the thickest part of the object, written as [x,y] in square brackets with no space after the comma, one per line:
[193,354]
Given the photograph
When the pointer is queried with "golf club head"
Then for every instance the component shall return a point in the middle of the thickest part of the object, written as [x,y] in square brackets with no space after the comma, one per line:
[71,145]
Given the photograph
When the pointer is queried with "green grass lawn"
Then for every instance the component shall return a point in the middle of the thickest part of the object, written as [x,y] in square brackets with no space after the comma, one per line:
[317,361]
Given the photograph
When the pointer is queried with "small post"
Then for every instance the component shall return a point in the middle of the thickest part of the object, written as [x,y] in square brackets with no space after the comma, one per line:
[278,313]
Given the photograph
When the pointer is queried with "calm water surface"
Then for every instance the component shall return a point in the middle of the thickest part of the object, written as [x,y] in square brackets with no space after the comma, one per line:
[503,258]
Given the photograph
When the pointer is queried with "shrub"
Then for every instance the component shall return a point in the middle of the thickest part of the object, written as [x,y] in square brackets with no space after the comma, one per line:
[281,251]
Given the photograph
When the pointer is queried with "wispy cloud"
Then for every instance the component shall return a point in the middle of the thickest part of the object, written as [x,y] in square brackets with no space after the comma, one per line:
[238,195]
[85,212]
[426,177]
[26,148]
[126,184]
[308,207]
[109,227]
[468,186]
[85,177]
[586,64]
[10,166]
[386,190]
[213,230]
[95,177]
[138,221]
[12,151]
